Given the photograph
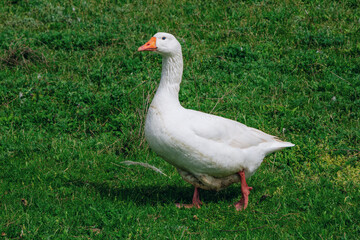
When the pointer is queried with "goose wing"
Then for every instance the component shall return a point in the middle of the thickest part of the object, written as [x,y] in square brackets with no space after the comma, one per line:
[232,133]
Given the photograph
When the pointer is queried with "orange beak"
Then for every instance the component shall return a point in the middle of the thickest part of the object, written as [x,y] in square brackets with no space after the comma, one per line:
[149,46]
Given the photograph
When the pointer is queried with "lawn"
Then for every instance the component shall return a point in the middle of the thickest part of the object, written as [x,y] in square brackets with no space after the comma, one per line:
[74,93]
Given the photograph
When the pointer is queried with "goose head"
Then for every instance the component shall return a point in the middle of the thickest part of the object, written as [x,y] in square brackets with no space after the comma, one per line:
[162,43]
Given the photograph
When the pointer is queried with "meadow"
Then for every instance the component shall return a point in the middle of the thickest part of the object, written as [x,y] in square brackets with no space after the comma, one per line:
[74,93]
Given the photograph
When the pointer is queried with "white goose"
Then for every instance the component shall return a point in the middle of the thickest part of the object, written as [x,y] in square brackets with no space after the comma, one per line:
[209,152]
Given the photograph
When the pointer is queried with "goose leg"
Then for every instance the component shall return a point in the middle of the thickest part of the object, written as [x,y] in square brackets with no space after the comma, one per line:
[245,191]
[195,201]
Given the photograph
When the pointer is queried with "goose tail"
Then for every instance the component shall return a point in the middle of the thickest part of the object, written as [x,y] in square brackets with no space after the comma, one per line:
[277,146]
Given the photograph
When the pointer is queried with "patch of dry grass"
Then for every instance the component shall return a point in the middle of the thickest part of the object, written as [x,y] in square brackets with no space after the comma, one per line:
[21,54]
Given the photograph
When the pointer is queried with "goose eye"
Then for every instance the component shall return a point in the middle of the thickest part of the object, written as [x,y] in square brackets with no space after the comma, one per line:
[163,38]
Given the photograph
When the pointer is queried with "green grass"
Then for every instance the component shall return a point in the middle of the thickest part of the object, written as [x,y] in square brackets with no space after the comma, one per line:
[74,94]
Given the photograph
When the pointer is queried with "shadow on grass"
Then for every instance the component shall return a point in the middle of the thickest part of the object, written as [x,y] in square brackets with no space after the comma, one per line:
[155,194]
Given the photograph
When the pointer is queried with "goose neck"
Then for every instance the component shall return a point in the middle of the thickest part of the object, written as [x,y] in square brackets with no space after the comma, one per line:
[171,75]
[172,69]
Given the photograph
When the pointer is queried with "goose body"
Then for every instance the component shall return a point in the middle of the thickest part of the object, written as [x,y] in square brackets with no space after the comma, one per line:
[208,151]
